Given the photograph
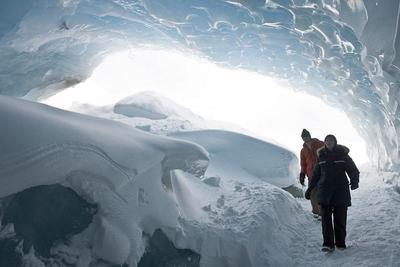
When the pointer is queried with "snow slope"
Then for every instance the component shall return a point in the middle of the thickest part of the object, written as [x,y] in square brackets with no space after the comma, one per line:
[143,182]
[256,159]
[373,227]
[33,133]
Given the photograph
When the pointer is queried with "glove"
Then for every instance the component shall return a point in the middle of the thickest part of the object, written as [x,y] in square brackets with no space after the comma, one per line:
[302,177]
[307,194]
[353,186]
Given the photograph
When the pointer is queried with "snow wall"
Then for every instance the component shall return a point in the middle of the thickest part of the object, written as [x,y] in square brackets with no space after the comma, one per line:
[342,51]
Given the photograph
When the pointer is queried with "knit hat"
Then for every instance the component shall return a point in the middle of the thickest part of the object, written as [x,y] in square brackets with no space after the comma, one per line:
[331,136]
[305,133]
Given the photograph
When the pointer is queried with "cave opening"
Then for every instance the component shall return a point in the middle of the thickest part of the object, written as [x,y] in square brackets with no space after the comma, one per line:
[266,107]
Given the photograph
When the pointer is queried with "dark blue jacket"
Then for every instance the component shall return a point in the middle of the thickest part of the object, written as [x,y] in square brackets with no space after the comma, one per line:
[329,176]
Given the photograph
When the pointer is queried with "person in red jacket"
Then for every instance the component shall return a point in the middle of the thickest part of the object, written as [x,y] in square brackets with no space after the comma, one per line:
[308,159]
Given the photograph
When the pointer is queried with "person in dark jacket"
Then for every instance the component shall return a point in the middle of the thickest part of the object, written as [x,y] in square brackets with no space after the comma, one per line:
[329,176]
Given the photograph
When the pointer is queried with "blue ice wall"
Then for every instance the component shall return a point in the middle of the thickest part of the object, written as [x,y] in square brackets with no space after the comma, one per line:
[317,45]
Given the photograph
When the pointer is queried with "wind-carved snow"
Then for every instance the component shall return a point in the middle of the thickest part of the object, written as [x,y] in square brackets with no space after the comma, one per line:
[59,137]
[256,159]
[306,42]
[225,143]
[142,182]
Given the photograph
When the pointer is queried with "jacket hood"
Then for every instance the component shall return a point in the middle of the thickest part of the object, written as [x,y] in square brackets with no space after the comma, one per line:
[313,140]
[338,148]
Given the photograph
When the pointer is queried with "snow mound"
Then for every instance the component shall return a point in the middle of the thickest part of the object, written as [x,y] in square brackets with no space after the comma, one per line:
[152,106]
[41,145]
[240,157]
[248,225]
[233,155]
[140,183]
[100,159]
[147,111]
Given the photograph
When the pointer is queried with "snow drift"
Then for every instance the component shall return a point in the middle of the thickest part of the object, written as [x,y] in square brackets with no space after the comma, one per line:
[142,182]
[36,134]
[256,159]
[148,111]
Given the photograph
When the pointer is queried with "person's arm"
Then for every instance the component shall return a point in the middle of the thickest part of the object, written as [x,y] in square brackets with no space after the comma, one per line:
[303,162]
[352,171]
[314,181]
[316,176]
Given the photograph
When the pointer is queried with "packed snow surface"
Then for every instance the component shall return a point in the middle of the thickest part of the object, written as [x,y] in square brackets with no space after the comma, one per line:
[373,227]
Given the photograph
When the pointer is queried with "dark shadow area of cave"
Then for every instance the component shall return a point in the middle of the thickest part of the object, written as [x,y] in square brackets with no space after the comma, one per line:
[161,252]
[42,215]
[9,256]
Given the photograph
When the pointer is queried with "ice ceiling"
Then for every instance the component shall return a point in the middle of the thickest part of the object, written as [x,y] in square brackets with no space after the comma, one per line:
[342,51]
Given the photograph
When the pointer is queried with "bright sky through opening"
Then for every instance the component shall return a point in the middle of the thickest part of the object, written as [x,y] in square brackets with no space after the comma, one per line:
[258,103]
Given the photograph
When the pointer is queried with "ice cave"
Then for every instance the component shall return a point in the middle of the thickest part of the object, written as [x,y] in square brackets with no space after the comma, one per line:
[167,132]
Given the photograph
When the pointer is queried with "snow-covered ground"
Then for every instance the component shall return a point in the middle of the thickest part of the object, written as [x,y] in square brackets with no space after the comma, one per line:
[215,192]
[373,220]
[373,227]
[143,182]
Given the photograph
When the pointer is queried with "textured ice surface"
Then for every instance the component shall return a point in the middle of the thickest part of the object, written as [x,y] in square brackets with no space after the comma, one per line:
[315,44]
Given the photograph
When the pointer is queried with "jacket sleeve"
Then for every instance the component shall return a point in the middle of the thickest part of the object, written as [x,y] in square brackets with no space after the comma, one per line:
[315,178]
[303,162]
[352,170]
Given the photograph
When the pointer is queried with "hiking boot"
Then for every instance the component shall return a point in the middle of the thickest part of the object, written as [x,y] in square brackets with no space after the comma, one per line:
[327,249]
[341,247]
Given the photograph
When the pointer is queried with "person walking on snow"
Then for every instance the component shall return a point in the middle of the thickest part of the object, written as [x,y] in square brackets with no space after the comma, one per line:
[308,158]
[329,176]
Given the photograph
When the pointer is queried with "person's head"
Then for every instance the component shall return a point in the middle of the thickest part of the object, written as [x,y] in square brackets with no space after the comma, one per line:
[330,141]
[305,135]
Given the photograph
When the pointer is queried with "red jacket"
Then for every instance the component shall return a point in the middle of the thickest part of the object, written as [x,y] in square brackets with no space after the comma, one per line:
[308,157]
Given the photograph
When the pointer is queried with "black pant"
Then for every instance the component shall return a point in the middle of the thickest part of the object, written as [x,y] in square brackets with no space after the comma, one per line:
[334,235]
